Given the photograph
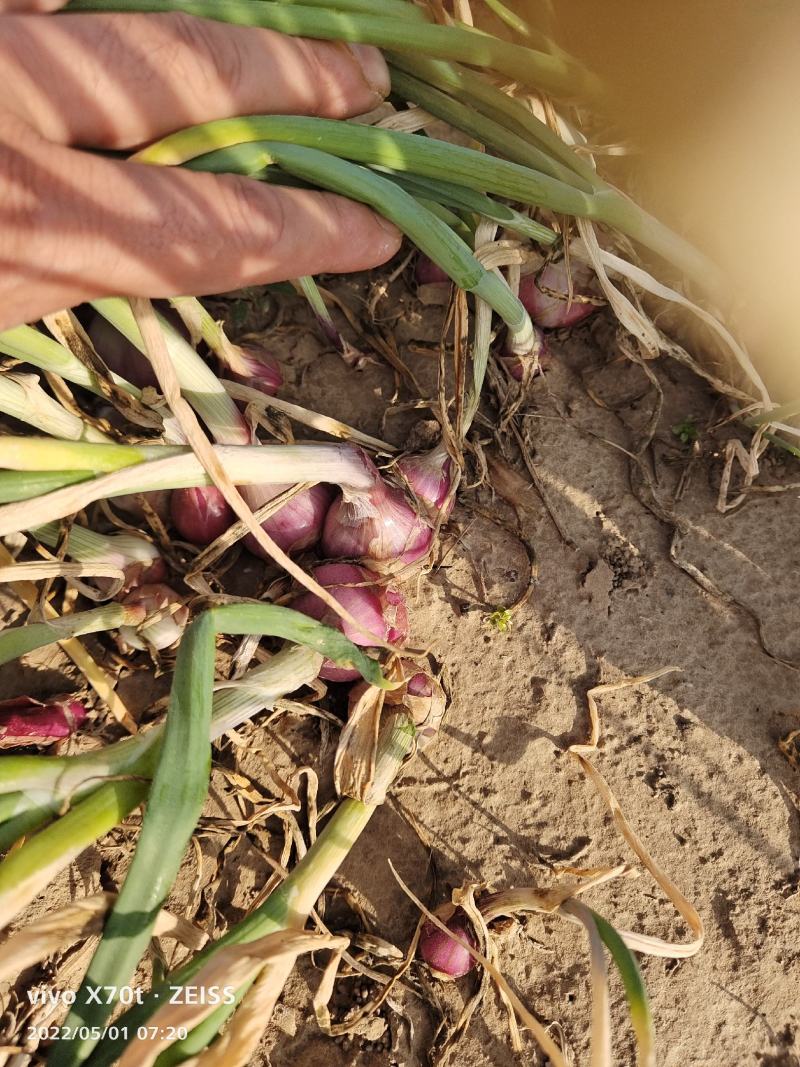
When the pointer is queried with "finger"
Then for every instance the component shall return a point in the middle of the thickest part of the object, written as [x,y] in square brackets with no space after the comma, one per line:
[74,227]
[119,80]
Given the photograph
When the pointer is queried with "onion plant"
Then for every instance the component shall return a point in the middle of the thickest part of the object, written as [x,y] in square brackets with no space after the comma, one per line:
[123,469]
[558,74]
[371,145]
[482,128]
[177,794]
[137,558]
[477,204]
[179,758]
[199,384]
[477,93]
[39,781]
[204,147]
[287,907]
[427,231]
[101,788]
[34,789]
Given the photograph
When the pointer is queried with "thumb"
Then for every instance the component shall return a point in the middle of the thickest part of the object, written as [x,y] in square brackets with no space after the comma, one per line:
[94,227]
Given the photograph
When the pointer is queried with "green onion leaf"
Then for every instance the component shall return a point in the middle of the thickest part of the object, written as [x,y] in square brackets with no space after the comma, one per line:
[635,991]
[25,485]
[483,129]
[19,640]
[174,804]
[425,156]
[26,871]
[557,74]
[32,346]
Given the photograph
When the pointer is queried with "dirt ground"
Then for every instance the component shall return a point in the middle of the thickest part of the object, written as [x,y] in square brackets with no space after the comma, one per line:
[693,757]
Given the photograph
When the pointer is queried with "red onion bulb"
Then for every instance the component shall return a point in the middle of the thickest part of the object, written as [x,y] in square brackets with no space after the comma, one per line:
[142,572]
[427,272]
[124,358]
[120,356]
[378,526]
[423,698]
[445,957]
[25,720]
[200,515]
[299,522]
[419,685]
[380,610]
[553,311]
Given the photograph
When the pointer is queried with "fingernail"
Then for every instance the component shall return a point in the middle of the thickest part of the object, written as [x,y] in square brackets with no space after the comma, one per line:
[373,68]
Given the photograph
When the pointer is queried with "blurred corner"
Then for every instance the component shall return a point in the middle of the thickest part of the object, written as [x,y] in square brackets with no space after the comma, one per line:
[706,96]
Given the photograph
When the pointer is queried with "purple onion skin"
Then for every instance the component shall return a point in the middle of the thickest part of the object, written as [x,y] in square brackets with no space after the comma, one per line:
[550,311]
[395,533]
[445,957]
[330,672]
[262,371]
[427,272]
[514,366]
[200,515]
[154,574]
[154,596]
[419,685]
[298,524]
[27,721]
[429,476]
[396,615]
[330,333]
[381,611]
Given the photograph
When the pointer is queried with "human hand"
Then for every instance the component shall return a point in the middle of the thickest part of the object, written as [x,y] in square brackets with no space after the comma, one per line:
[76,226]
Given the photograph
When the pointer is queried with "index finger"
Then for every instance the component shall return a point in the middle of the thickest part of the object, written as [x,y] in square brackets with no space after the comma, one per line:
[119,80]
[75,226]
